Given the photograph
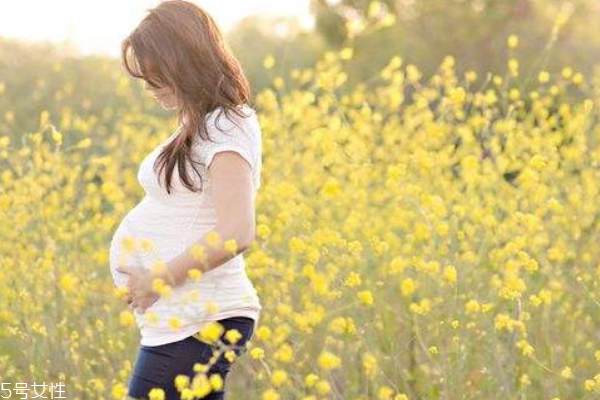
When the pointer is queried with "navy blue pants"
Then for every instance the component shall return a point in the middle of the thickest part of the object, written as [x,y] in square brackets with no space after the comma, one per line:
[157,366]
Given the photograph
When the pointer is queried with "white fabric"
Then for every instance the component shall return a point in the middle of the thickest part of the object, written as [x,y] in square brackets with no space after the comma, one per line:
[174,222]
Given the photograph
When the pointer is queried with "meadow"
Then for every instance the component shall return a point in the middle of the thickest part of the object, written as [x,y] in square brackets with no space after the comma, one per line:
[417,238]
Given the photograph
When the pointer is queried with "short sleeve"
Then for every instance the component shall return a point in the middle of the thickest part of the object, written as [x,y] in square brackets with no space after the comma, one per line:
[234,133]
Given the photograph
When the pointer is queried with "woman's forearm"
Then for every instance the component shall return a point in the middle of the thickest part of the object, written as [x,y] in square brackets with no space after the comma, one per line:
[205,255]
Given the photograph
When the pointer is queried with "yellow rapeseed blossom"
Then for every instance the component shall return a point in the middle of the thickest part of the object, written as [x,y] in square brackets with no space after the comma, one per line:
[346,53]
[156,394]
[213,238]
[211,332]
[194,274]
[118,391]
[279,377]
[323,387]
[450,274]
[198,253]
[269,61]
[365,297]
[566,373]
[68,282]
[270,394]
[544,77]
[285,354]
[126,318]
[353,279]
[328,361]
[263,231]
[257,353]
[175,323]
[231,246]
[310,380]
[182,382]
[408,287]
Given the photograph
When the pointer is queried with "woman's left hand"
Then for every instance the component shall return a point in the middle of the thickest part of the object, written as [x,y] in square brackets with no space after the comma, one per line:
[139,283]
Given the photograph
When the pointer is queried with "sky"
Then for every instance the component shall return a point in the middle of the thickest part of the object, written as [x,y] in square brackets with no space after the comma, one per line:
[98,27]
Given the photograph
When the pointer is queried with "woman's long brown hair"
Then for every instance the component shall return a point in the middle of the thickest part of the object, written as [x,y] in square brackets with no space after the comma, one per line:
[178,45]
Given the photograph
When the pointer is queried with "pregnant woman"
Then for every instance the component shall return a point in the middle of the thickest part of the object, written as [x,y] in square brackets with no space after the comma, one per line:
[178,253]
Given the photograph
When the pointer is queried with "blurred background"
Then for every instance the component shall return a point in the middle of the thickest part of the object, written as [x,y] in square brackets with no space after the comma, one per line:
[85,36]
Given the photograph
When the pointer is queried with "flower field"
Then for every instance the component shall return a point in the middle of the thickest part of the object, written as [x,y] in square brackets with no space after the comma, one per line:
[417,238]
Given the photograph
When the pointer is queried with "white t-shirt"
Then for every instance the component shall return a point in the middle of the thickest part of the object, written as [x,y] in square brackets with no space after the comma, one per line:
[173,222]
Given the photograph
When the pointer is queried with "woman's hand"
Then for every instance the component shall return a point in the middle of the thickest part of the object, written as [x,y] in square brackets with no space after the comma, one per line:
[139,283]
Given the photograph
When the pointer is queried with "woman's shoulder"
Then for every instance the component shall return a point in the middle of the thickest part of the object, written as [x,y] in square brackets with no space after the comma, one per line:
[221,116]
[222,126]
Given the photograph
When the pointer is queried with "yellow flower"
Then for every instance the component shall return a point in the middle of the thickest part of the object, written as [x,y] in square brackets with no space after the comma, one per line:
[151,318]
[408,287]
[194,274]
[328,360]
[231,246]
[126,318]
[211,332]
[513,41]
[270,394]
[323,387]
[174,323]
[68,282]
[278,83]
[146,244]
[566,373]
[567,72]
[159,286]
[129,243]
[375,8]
[311,379]
[118,391]
[182,382]
[263,333]
[157,394]
[346,53]
[257,353]
[450,274]
[233,335]
[279,377]
[285,353]
[471,76]
[158,267]
[4,141]
[213,239]
[353,279]
[369,363]
[269,62]
[385,393]
[84,143]
[198,253]
[513,66]
[365,297]
[472,307]
[263,231]
[544,77]
[216,381]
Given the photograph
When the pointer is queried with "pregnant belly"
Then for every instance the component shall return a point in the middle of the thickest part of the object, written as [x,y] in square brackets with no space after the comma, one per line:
[119,254]
[167,238]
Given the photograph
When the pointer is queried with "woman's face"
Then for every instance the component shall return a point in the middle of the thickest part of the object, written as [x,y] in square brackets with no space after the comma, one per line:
[164,95]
